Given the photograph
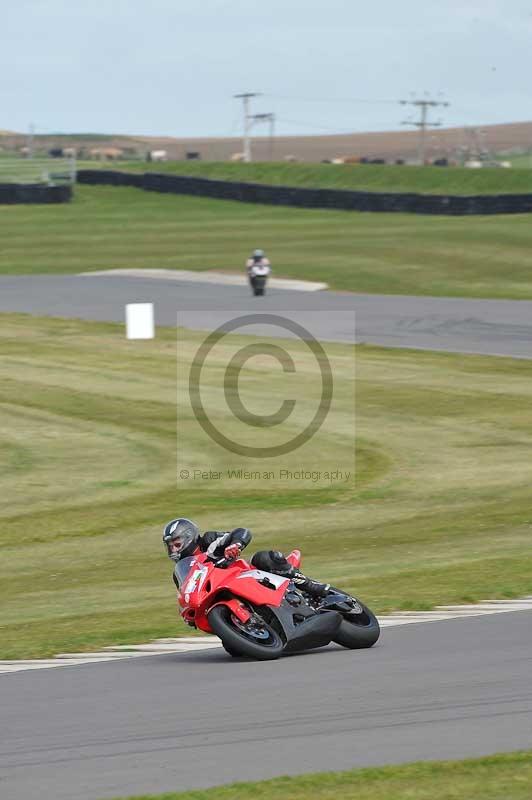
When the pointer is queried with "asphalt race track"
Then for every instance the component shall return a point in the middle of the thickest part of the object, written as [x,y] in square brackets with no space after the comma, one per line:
[499,327]
[426,691]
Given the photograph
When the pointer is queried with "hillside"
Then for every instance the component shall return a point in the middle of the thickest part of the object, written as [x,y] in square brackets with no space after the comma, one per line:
[516,137]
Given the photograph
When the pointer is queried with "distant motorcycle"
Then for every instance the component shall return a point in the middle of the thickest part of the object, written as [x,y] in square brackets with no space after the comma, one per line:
[258,277]
[260,615]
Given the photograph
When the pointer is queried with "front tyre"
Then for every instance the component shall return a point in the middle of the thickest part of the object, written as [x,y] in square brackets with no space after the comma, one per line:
[357,631]
[253,639]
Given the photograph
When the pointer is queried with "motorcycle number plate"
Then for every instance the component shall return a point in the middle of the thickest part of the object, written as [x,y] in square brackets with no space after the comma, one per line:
[195,581]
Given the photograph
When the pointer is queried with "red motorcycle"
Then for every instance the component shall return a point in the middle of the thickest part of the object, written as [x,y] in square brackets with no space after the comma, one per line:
[260,615]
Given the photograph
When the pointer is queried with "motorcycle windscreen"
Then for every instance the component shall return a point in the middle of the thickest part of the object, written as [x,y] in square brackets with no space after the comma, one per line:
[182,568]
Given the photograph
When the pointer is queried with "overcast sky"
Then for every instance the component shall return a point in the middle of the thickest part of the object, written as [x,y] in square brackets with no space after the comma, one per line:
[171,67]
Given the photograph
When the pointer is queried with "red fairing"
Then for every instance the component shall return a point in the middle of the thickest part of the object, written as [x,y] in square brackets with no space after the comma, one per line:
[238,609]
[206,585]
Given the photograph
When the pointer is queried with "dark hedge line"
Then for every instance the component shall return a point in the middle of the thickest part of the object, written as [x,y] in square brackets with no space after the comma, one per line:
[11,193]
[109,177]
[314,198]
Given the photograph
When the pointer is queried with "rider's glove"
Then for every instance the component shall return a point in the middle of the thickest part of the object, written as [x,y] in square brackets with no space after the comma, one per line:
[232,551]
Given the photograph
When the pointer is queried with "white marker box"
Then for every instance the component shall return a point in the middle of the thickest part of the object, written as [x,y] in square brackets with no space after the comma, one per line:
[139,321]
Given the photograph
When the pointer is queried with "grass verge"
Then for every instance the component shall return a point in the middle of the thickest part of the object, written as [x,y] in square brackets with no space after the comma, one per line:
[439,511]
[106,227]
[493,778]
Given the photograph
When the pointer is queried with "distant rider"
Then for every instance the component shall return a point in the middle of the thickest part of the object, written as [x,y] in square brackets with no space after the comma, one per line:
[258,264]
[182,538]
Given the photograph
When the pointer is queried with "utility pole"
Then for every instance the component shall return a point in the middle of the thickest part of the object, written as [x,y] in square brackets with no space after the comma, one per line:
[422,124]
[246,97]
[29,140]
[266,118]
[272,135]
[477,144]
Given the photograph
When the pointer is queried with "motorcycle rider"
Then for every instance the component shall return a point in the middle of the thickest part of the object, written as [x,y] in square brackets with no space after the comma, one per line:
[257,265]
[182,538]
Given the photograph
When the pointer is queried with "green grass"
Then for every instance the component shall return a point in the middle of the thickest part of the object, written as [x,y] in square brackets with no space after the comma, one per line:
[362,177]
[500,777]
[439,512]
[108,227]
[522,161]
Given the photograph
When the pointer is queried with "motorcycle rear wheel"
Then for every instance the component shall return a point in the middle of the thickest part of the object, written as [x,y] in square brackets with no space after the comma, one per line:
[231,652]
[264,645]
[358,631]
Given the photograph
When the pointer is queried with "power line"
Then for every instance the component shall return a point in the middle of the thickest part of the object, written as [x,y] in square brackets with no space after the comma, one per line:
[314,127]
[333,100]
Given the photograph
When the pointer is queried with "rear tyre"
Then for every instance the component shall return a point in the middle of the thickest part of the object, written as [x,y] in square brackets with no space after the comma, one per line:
[231,652]
[251,640]
[357,631]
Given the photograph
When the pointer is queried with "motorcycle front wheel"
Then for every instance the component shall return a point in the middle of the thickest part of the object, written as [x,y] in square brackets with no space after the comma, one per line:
[253,639]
